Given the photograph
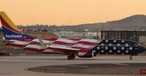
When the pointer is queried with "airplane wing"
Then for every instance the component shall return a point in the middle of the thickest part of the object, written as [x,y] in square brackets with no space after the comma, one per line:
[63,49]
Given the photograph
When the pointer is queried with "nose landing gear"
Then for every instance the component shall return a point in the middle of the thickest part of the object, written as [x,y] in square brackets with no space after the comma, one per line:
[130,57]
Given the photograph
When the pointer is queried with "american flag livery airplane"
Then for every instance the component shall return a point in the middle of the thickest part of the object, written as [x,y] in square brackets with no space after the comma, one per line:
[84,48]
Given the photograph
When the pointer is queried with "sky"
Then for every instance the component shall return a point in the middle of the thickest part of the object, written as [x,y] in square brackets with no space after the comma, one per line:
[70,12]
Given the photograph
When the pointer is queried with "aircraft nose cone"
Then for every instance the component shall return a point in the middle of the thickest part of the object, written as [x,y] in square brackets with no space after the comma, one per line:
[143,48]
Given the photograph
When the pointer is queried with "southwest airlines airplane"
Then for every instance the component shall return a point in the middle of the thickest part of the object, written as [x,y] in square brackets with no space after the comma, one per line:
[84,48]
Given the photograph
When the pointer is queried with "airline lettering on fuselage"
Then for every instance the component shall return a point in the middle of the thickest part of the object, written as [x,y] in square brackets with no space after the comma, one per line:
[13,36]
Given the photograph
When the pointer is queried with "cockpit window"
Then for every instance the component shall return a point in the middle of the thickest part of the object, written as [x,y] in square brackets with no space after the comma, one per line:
[139,44]
[136,45]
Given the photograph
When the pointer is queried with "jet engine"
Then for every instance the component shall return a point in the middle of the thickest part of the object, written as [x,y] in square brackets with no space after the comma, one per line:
[88,54]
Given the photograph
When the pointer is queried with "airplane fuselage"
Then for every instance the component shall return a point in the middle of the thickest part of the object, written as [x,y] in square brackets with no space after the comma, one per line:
[80,47]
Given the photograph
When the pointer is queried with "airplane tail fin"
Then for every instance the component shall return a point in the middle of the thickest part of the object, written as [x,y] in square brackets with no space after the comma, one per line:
[10,30]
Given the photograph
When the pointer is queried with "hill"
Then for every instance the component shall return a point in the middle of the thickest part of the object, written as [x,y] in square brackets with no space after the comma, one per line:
[135,22]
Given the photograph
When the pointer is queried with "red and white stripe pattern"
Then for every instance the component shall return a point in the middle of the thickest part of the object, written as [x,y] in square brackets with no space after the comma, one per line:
[18,43]
[35,45]
[86,43]
[55,44]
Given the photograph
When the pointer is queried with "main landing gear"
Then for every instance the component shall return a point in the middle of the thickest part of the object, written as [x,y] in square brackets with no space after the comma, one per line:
[133,54]
[71,56]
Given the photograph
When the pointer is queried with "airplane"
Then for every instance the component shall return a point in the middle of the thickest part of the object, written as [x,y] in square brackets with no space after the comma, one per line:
[83,48]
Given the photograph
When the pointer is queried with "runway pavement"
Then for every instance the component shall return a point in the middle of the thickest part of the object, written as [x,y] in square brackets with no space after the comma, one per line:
[19,65]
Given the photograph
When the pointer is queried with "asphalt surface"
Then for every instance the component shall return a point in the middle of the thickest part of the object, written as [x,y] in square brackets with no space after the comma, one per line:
[96,69]
[59,65]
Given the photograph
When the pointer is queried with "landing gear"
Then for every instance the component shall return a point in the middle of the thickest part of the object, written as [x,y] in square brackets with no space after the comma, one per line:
[130,57]
[71,57]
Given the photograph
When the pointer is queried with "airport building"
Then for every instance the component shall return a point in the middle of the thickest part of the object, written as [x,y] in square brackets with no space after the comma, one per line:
[40,34]
[78,35]
[139,36]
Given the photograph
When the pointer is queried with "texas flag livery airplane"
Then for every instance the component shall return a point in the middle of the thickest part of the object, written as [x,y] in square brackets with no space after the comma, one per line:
[84,48]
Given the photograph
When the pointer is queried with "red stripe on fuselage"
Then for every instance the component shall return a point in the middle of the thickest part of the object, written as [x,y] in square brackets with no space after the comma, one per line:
[51,39]
[35,43]
[61,43]
[24,40]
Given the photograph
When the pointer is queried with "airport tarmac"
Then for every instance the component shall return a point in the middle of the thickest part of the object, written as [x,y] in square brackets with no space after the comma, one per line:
[19,65]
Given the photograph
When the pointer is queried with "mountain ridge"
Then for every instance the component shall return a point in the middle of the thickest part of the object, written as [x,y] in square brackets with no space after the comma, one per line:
[134,23]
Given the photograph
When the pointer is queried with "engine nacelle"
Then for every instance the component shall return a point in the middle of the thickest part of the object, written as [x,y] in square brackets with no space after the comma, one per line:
[88,54]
